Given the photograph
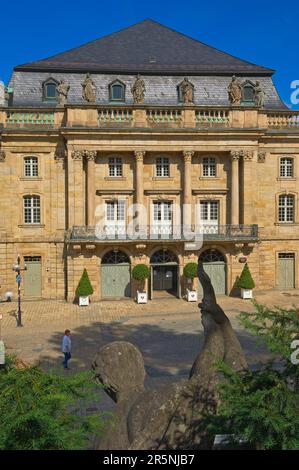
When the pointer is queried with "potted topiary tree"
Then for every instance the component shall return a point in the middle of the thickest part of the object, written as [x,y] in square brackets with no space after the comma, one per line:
[246,283]
[190,273]
[84,289]
[140,273]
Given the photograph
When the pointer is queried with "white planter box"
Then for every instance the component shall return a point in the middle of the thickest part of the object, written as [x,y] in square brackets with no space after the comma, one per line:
[83,301]
[191,295]
[141,297]
[246,293]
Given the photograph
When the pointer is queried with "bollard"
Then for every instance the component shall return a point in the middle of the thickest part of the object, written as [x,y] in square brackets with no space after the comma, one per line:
[2,354]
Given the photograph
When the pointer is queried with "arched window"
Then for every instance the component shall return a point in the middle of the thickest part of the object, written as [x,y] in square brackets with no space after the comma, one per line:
[117,91]
[163,256]
[210,256]
[30,166]
[115,257]
[286,208]
[248,93]
[31,209]
[49,90]
[286,167]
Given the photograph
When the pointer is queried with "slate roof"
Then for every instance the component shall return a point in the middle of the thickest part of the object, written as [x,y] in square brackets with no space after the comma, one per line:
[160,90]
[146,47]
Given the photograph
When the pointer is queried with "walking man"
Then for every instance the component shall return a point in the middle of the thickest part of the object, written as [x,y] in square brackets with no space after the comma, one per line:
[66,348]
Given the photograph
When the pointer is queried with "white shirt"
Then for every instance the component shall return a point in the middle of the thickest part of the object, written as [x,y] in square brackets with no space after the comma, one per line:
[66,344]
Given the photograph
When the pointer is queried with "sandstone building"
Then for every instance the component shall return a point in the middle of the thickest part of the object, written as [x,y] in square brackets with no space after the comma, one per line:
[145,116]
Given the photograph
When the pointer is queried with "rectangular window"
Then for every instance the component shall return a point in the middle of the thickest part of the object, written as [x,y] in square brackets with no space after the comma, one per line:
[115,211]
[209,211]
[286,210]
[162,212]
[162,167]
[209,166]
[30,166]
[115,166]
[32,210]
[286,168]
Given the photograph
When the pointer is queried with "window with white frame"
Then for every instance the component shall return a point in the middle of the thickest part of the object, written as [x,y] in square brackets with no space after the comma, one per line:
[209,166]
[115,212]
[162,166]
[286,208]
[31,209]
[286,167]
[115,166]
[162,212]
[209,212]
[31,166]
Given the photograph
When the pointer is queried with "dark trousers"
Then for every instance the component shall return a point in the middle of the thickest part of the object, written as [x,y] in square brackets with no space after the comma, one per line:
[67,356]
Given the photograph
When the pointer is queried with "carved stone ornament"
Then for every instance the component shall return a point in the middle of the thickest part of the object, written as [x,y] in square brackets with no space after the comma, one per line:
[2,156]
[245,153]
[259,95]
[89,89]
[188,154]
[235,91]
[261,157]
[80,154]
[187,90]
[139,155]
[62,92]
[138,90]
[60,153]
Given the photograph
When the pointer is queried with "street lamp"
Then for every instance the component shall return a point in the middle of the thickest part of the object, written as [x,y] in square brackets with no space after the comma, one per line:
[17,268]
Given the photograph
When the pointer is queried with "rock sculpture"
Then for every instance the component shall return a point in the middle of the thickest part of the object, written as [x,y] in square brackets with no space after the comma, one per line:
[89,89]
[259,95]
[62,92]
[168,417]
[187,90]
[235,91]
[138,90]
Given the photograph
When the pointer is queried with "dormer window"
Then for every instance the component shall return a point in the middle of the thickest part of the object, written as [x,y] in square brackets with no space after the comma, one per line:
[49,90]
[117,91]
[248,93]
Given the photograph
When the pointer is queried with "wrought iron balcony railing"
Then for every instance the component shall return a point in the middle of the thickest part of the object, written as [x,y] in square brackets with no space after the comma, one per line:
[151,232]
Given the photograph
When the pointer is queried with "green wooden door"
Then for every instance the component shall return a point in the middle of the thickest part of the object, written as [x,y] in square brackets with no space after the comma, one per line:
[116,281]
[32,277]
[217,273]
[286,270]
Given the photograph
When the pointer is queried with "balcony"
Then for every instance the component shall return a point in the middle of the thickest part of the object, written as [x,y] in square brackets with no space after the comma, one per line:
[97,234]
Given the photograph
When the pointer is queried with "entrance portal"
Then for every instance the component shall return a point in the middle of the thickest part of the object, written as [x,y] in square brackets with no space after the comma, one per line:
[164,273]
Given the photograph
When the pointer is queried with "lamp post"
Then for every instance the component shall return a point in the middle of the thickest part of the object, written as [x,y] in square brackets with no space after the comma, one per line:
[17,268]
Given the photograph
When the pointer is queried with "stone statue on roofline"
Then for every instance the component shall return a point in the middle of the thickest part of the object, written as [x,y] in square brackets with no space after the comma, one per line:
[187,90]
[89,89]
[2,94]
[62,92]
[138,90]
[235,91]
[259,95]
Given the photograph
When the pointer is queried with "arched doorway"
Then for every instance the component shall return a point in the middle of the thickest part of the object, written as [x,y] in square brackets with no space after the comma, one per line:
[116,276]
[165,272]
[214,264]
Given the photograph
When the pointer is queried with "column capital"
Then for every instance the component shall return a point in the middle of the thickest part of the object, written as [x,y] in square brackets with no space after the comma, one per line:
[235,154]
[80,154]
[90,155]
[188,154]
[139,155]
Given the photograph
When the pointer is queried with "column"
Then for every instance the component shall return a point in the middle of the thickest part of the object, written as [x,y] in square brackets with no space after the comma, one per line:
[248,193]
[76,189]
[187,188]
[235,156]
[139,155]
[90,186]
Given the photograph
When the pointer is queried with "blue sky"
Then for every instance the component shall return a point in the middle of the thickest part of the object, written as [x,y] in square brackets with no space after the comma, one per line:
[262,32]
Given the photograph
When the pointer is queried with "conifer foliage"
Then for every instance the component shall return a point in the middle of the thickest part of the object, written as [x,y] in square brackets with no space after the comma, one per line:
[84,288]
[246,281]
